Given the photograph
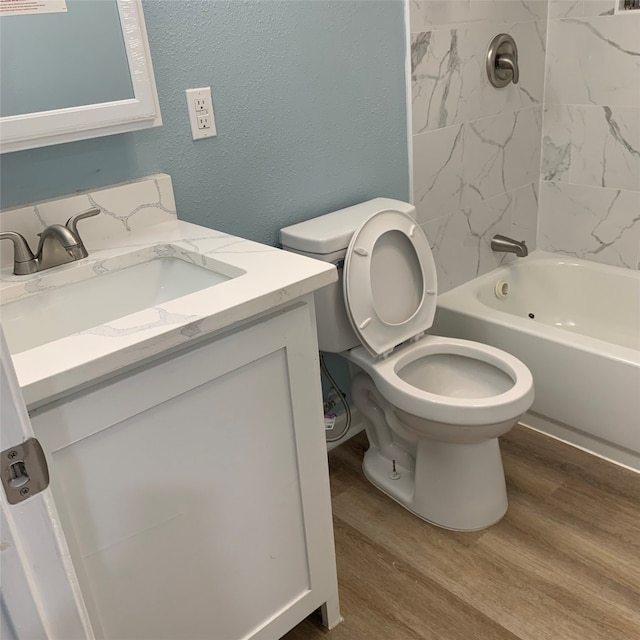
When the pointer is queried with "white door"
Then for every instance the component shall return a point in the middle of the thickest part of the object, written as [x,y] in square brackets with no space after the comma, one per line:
[40,595]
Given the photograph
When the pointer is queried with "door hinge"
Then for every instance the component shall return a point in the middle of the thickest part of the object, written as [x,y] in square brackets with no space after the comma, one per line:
[24,471]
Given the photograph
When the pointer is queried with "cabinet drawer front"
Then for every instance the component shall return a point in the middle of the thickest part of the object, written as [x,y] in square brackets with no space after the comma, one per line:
[122,397]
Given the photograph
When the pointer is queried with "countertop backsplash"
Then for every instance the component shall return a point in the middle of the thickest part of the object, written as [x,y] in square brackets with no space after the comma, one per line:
[125,208]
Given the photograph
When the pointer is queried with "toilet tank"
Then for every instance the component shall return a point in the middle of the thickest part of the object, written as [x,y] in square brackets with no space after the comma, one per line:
[326,238]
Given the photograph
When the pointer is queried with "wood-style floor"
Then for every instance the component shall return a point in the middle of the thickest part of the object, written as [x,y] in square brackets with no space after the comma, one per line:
[563,564]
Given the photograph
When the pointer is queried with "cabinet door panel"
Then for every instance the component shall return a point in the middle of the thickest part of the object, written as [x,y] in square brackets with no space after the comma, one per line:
[184,517]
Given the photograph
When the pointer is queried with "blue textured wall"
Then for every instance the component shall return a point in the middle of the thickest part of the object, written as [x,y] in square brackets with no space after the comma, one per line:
[309,102]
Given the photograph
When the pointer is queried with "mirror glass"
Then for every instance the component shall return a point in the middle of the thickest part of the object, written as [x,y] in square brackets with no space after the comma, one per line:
[57,60]
[74,74]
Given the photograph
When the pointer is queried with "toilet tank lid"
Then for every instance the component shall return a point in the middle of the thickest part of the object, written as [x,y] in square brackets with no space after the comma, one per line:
[332,231]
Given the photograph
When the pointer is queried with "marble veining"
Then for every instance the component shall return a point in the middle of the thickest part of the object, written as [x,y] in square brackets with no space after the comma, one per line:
[260,278]
[476,150]
[590,167]
[436,80]
[524,214]
[606,147]
[449,83]
[503,153]
[580,8]
[592,145]
[475,161]
[127,218]
[556,143]
[590,26]
[460,241]
[590,222]
[614,127]
[438,176]
[594,61]
[164,319]
[478,153]
[124,209]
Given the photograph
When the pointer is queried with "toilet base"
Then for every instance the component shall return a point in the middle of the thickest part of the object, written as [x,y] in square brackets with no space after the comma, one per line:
[454,486]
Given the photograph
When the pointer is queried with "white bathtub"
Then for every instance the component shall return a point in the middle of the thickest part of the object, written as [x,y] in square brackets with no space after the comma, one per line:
[576,325]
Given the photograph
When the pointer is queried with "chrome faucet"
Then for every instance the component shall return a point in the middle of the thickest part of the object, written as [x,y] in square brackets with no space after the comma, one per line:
[509,245]
[58,245]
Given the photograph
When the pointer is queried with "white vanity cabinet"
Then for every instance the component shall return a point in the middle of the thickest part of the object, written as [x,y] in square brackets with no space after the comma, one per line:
[193,490]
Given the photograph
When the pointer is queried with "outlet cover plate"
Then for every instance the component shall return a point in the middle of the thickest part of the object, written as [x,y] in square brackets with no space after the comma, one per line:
[200,109]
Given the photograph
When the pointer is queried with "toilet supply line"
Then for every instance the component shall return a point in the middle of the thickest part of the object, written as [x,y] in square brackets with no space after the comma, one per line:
[334,385]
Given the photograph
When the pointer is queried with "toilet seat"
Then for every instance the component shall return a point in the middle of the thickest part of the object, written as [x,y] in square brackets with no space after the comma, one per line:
[390,282]
[503,406]
[390,291]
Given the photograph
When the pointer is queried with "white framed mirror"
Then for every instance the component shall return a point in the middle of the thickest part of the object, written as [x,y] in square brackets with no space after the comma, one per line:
[114,92]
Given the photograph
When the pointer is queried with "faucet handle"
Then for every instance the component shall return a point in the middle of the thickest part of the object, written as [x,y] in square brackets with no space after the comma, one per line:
[508,61]
[72,222]
[502,61]
[24,261]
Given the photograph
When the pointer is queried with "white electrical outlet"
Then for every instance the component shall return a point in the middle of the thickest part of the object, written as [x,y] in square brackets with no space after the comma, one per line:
[200,108]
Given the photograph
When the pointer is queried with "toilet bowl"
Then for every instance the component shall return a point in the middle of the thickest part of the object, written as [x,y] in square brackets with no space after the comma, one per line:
[451,381]
[446,402]
[433,407]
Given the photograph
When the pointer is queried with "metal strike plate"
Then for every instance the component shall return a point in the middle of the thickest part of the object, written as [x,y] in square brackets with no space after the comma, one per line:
[24,471]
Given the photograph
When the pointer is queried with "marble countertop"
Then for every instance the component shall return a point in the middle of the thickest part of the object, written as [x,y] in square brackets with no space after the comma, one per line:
[271,277]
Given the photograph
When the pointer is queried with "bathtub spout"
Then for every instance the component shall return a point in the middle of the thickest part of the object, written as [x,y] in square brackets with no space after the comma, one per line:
[509,245]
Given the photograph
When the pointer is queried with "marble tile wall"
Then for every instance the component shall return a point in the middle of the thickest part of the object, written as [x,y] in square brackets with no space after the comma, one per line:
[476,149]
[590,170]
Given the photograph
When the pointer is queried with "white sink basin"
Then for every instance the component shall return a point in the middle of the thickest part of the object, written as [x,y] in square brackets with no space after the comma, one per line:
[61,311]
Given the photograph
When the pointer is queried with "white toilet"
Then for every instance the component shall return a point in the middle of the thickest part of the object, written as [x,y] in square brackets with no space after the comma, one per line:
[433,407]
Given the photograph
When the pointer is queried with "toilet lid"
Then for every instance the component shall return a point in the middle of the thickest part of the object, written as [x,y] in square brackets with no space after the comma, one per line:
[390,282]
